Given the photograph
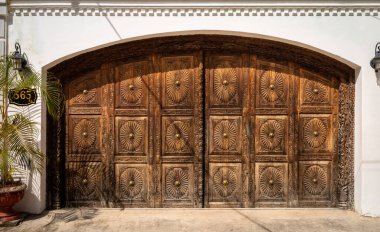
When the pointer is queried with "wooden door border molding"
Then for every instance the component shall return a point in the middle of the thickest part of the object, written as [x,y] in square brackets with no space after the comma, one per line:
[264,49]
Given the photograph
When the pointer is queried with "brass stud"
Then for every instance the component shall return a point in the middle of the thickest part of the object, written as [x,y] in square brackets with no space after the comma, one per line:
[272,87]
[315,133]
[85,134]
[131,135]
[270,182]
[177,83]
[85,91]
[84,181]
[178,136]
[131,183]
[177,183]
[271,134]
[315,91]
[315,180]
[131,87]
[225,82]
[225,182]
[225,135]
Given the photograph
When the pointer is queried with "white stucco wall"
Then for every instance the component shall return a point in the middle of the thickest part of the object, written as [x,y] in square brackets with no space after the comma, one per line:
[47,38]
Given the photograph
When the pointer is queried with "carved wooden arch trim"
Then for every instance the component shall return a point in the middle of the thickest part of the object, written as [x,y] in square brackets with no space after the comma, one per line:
[266,49]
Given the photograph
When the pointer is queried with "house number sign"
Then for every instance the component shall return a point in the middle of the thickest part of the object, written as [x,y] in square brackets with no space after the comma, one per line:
[23,97]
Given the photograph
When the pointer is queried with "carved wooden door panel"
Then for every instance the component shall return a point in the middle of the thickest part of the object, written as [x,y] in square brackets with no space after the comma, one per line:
[135,134]
[271,132]
[84,149]
[318,133]
[273,147]
[131,151]
[226,159]
[178,131]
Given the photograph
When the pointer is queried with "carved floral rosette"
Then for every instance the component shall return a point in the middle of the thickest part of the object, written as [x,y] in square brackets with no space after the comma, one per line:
[131,183]
[83,181]
[225,182]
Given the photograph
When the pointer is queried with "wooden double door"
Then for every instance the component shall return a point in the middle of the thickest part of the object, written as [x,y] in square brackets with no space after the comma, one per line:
[201,129]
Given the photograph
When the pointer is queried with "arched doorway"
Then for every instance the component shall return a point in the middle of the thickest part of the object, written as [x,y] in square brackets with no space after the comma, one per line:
[204,121]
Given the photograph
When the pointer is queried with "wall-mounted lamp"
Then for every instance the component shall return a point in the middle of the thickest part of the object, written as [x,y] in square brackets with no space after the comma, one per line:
[19,59]
[375,62]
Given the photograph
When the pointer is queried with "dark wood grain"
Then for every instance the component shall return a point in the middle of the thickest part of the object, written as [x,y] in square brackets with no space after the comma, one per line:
[203,121]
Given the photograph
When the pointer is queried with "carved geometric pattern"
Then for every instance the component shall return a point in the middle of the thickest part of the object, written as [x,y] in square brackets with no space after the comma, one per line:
[315,92]
[271,135]
[178,81]
[272,86]
[86,96]
[315,132]
[271,182]
[225,83]
[131,135]
[84,92]
[206,11]
[177,136]
[83,182]
[225,135]
[84,134]
[225,182]
[177,183]
[131,86]
[131,183]
[315,180]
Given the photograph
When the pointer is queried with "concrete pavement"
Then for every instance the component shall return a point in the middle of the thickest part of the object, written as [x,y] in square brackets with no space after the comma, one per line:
[197,220]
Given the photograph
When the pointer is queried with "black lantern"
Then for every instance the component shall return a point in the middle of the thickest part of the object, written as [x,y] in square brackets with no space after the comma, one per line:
[19,59]
[375,62]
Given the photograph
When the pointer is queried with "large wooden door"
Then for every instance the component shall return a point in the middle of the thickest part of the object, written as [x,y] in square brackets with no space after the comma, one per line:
[271,130]
[194,129]
[158,130]
[135,134]
[249,132]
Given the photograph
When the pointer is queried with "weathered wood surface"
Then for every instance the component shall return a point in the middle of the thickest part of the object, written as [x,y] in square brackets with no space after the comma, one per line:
[203,121]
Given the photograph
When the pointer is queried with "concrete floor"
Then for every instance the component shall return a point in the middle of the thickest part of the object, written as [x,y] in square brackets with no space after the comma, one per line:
[197,220]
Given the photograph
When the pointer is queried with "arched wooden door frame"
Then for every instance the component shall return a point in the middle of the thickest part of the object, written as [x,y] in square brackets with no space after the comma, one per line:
[267,49]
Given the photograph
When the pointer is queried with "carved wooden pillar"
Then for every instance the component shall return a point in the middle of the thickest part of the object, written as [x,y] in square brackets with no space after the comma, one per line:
[342,184]
[346,143]
[54,175]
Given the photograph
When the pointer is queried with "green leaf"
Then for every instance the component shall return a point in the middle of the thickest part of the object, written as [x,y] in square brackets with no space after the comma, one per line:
[19,135]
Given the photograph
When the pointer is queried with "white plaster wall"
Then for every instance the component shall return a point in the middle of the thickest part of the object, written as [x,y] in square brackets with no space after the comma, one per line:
[47,38]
